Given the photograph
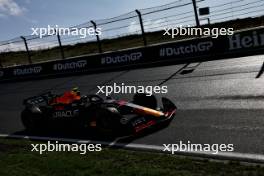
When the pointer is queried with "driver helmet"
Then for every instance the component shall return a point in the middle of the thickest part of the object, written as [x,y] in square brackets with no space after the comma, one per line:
[76,90]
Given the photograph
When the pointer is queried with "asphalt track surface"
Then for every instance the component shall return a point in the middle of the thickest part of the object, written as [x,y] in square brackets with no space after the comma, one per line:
[219,102]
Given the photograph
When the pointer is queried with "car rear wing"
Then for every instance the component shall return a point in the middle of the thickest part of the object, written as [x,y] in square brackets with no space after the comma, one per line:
[45,97]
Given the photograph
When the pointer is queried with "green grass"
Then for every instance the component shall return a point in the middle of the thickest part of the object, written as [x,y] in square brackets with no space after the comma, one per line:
[17,159]
[20,57]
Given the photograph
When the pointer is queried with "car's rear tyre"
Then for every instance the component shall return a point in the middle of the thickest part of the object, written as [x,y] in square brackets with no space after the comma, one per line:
[31,121]
[144,100]
[108,121]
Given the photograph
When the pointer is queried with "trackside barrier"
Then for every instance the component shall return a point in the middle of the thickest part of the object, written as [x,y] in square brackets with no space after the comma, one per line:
[245,158]
[242,43]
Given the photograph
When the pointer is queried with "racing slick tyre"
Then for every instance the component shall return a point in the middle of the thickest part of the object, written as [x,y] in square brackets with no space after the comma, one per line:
[108,121]
[144,100]
[31,121]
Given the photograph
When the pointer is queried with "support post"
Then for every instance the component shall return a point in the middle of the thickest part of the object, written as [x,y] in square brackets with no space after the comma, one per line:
[28,53]
[97,37]
[61,49]
[142,27]
[1,65]
[208,20]
[261,71]
[196,13]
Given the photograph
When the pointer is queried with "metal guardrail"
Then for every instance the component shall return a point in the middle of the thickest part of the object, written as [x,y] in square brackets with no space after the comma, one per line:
[242,43]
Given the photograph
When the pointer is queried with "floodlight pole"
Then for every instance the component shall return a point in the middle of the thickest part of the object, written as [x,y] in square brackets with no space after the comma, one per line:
[26,45]
[196,13]
[97,37]
[142,27]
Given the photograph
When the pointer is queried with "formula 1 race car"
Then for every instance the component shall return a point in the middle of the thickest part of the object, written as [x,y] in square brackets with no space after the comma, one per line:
[48,111]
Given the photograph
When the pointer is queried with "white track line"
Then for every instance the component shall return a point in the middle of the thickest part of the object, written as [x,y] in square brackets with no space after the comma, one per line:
[243,157]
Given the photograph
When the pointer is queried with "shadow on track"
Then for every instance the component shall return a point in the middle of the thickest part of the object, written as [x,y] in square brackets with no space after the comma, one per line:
[186,69]
[88,136]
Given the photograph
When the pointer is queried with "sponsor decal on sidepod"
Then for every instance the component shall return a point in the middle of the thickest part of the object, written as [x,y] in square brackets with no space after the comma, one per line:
[59,114]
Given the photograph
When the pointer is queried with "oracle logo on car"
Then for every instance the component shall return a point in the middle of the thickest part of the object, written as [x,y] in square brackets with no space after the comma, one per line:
[27,71]
[238,42]
[70,66]
[59,114]
[121,58]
